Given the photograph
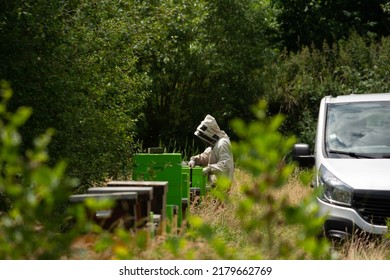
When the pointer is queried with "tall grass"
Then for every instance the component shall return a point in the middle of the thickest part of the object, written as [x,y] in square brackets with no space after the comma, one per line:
[223,217]
[226,226]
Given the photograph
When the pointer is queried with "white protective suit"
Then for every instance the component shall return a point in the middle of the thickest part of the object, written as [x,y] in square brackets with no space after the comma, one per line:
[217,159]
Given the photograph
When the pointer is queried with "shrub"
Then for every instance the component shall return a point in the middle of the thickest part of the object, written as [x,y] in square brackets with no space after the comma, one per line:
[33,193]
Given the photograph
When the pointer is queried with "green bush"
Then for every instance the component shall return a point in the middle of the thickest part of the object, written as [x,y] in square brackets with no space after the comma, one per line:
[73,63]
[33,194]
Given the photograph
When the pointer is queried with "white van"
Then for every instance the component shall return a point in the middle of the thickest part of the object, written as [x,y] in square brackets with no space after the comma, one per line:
[352,163]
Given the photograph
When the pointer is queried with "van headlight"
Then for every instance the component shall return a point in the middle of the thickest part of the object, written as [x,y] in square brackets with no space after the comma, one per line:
[334,190]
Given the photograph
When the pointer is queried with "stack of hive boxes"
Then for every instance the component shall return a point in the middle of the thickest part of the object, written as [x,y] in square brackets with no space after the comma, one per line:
[164,167]
[197,179]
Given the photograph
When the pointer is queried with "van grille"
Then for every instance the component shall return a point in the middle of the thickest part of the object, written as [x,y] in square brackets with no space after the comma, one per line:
[372,206]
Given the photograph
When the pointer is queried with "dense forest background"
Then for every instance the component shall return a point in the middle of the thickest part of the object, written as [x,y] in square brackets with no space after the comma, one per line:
[114,77]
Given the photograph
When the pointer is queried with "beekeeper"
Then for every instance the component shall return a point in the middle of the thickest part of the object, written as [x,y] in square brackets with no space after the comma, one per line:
[217,159]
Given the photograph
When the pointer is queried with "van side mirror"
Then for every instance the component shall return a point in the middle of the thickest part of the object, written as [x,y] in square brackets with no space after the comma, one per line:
[301,154]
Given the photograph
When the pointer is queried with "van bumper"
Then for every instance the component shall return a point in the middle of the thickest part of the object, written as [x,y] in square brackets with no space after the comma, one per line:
[343,222]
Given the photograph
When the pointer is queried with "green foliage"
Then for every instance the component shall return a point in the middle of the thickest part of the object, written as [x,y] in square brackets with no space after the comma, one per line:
[104,74]
[101,40]
[72,62]
[99,72]
[307,22]
[33,193]
[296,82]
[205,59]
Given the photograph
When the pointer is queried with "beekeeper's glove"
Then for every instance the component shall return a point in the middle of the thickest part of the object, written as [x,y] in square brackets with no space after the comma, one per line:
[206,171]
[191,163]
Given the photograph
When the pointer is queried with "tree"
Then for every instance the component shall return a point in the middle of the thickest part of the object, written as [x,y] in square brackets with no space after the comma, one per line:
[208,63]
[307,22]
[72,62]
[107,75]
[296,82]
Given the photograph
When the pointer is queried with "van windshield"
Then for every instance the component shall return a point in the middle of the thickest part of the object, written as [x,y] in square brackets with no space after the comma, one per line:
[358,130]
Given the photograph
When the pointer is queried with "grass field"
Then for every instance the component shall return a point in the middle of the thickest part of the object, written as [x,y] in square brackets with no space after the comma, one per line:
[225,221]
[355,249]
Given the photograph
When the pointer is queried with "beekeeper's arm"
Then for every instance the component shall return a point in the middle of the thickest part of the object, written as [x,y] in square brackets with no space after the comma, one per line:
[201,159]
[224,157]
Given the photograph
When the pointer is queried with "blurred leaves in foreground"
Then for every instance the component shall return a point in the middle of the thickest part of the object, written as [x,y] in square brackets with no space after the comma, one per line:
[33,195]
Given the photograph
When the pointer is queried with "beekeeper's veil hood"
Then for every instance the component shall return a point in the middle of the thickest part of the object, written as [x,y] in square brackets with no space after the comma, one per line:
[209,131]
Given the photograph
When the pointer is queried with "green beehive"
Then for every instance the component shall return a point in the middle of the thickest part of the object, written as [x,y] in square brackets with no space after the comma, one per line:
[162,167]
[185,194]
[172,218]
[197,179]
